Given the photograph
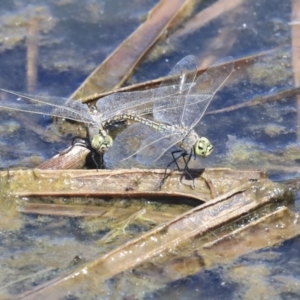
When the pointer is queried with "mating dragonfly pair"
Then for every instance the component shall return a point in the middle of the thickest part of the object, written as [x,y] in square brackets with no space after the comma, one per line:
[176,106]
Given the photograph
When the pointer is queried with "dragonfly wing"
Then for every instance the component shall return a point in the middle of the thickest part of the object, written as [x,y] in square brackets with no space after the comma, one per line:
[134,103]
[213,78]
[194,109]
[75,110]
[121,103]
[179,80]
[125,144]
[53,106]
[55,101]
[139,145]
[204,89]
[156,145]
[169,109]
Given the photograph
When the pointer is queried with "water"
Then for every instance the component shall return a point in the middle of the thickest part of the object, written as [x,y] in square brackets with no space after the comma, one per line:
[74,39]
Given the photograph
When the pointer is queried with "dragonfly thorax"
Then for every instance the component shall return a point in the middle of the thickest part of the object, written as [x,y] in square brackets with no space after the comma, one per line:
[101,143]
[203,147]
[191,138]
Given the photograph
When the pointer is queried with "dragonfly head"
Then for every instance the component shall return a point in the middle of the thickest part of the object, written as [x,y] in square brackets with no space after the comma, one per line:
[101,143]
[203,147]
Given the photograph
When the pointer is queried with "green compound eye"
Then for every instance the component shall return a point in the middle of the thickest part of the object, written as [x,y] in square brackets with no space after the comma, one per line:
[101,144]
[203,147]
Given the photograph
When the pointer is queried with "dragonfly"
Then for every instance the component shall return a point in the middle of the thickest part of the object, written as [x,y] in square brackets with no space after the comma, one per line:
[108,110]
[174,119]
[173,95]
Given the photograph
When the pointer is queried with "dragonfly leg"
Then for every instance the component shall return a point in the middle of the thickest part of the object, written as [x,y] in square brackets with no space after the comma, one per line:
[98,159]
[182,154]
[186,166]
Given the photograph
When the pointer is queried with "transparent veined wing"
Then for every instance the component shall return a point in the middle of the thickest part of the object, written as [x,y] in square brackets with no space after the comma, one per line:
[183,74]
[156,145]
[125,144]
[45,105]
[126,153]
[140,102]
[178,81]
[67,108]
[120,103]
[194,101]
[206,85]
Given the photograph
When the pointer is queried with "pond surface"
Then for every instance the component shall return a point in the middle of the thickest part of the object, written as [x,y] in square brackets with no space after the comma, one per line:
[74,37]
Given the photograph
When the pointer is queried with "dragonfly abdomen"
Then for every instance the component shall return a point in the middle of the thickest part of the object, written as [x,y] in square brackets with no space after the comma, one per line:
[131,117]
